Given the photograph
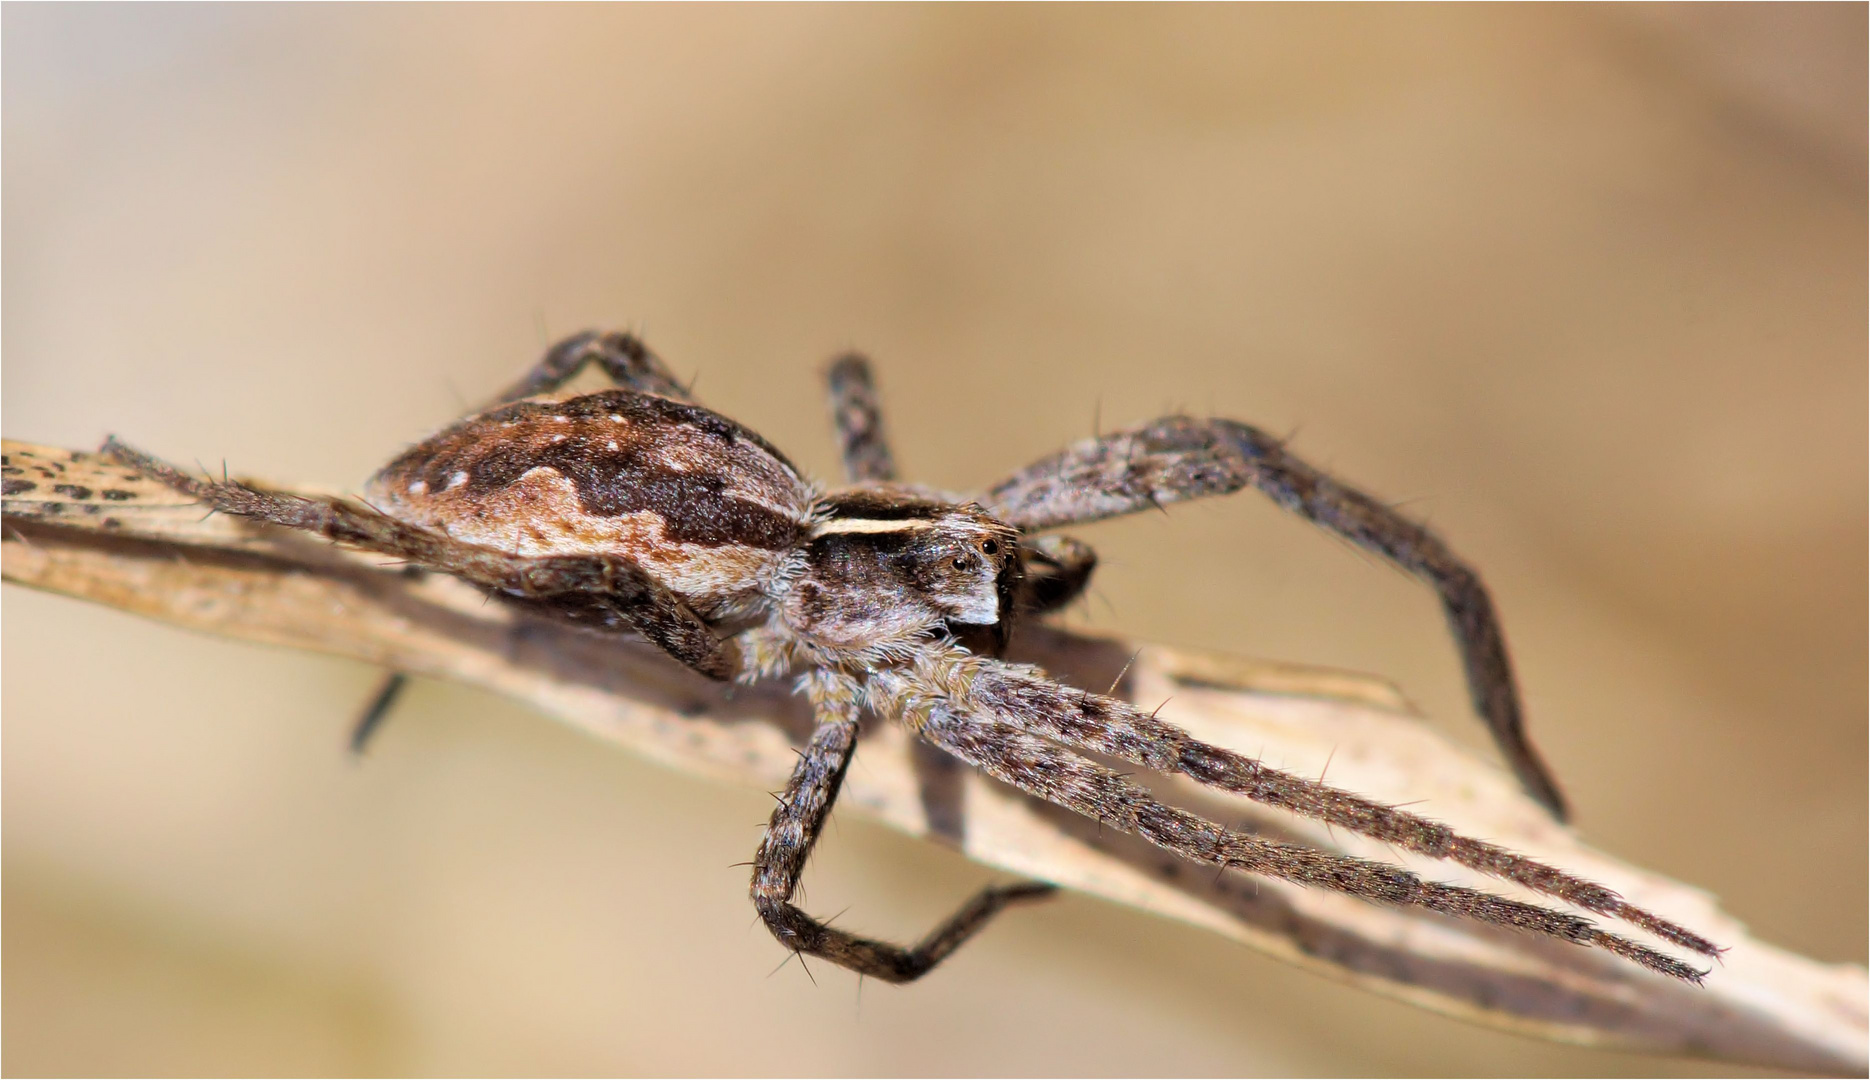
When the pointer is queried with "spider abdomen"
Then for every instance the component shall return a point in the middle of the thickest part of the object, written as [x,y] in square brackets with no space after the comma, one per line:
[703,504]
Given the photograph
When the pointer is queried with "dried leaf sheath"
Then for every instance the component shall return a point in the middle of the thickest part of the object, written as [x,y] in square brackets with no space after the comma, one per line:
[1762,1006]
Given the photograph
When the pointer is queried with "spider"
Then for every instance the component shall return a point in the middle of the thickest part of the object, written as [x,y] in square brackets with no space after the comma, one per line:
[636,510]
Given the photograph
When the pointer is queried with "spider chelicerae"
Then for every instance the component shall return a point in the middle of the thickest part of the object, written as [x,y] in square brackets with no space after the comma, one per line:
[636,510]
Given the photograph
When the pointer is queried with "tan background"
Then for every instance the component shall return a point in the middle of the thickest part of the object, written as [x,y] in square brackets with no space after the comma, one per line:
[1585,286]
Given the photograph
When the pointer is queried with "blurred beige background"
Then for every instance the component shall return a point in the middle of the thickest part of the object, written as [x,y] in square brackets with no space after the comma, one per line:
[1585,286]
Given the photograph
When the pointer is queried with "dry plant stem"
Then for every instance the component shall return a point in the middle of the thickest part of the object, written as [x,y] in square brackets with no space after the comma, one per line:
[89,528]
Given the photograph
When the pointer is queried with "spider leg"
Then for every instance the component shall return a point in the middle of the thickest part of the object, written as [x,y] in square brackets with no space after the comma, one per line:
[858,416]
[1025,699]
[793,830]
[1059,776]
[577,581]
[388,690]
[1179,458]
[625,360]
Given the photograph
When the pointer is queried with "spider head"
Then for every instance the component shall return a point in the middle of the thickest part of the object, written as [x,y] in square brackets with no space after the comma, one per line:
[966,565]
[884,566]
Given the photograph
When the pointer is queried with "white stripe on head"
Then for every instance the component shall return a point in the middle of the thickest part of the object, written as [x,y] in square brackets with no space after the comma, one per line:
[870,525]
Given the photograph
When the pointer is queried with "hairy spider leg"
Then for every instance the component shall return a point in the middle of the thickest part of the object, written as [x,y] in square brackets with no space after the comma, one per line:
[794,828]
[858,415]
[618,584]
[624,359]
[1179,458]
[1050,772]
[1025,698]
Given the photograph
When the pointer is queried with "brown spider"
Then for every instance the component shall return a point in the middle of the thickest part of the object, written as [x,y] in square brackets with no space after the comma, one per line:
[637,510]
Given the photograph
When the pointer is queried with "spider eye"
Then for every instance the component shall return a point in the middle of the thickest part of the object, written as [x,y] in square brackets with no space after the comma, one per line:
[989,547]
[962,564]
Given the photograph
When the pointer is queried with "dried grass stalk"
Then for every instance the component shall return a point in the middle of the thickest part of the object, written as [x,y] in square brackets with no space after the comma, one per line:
[87,528]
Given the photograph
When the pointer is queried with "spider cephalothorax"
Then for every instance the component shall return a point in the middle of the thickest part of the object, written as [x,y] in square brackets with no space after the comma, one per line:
[885,570]
[636,510]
